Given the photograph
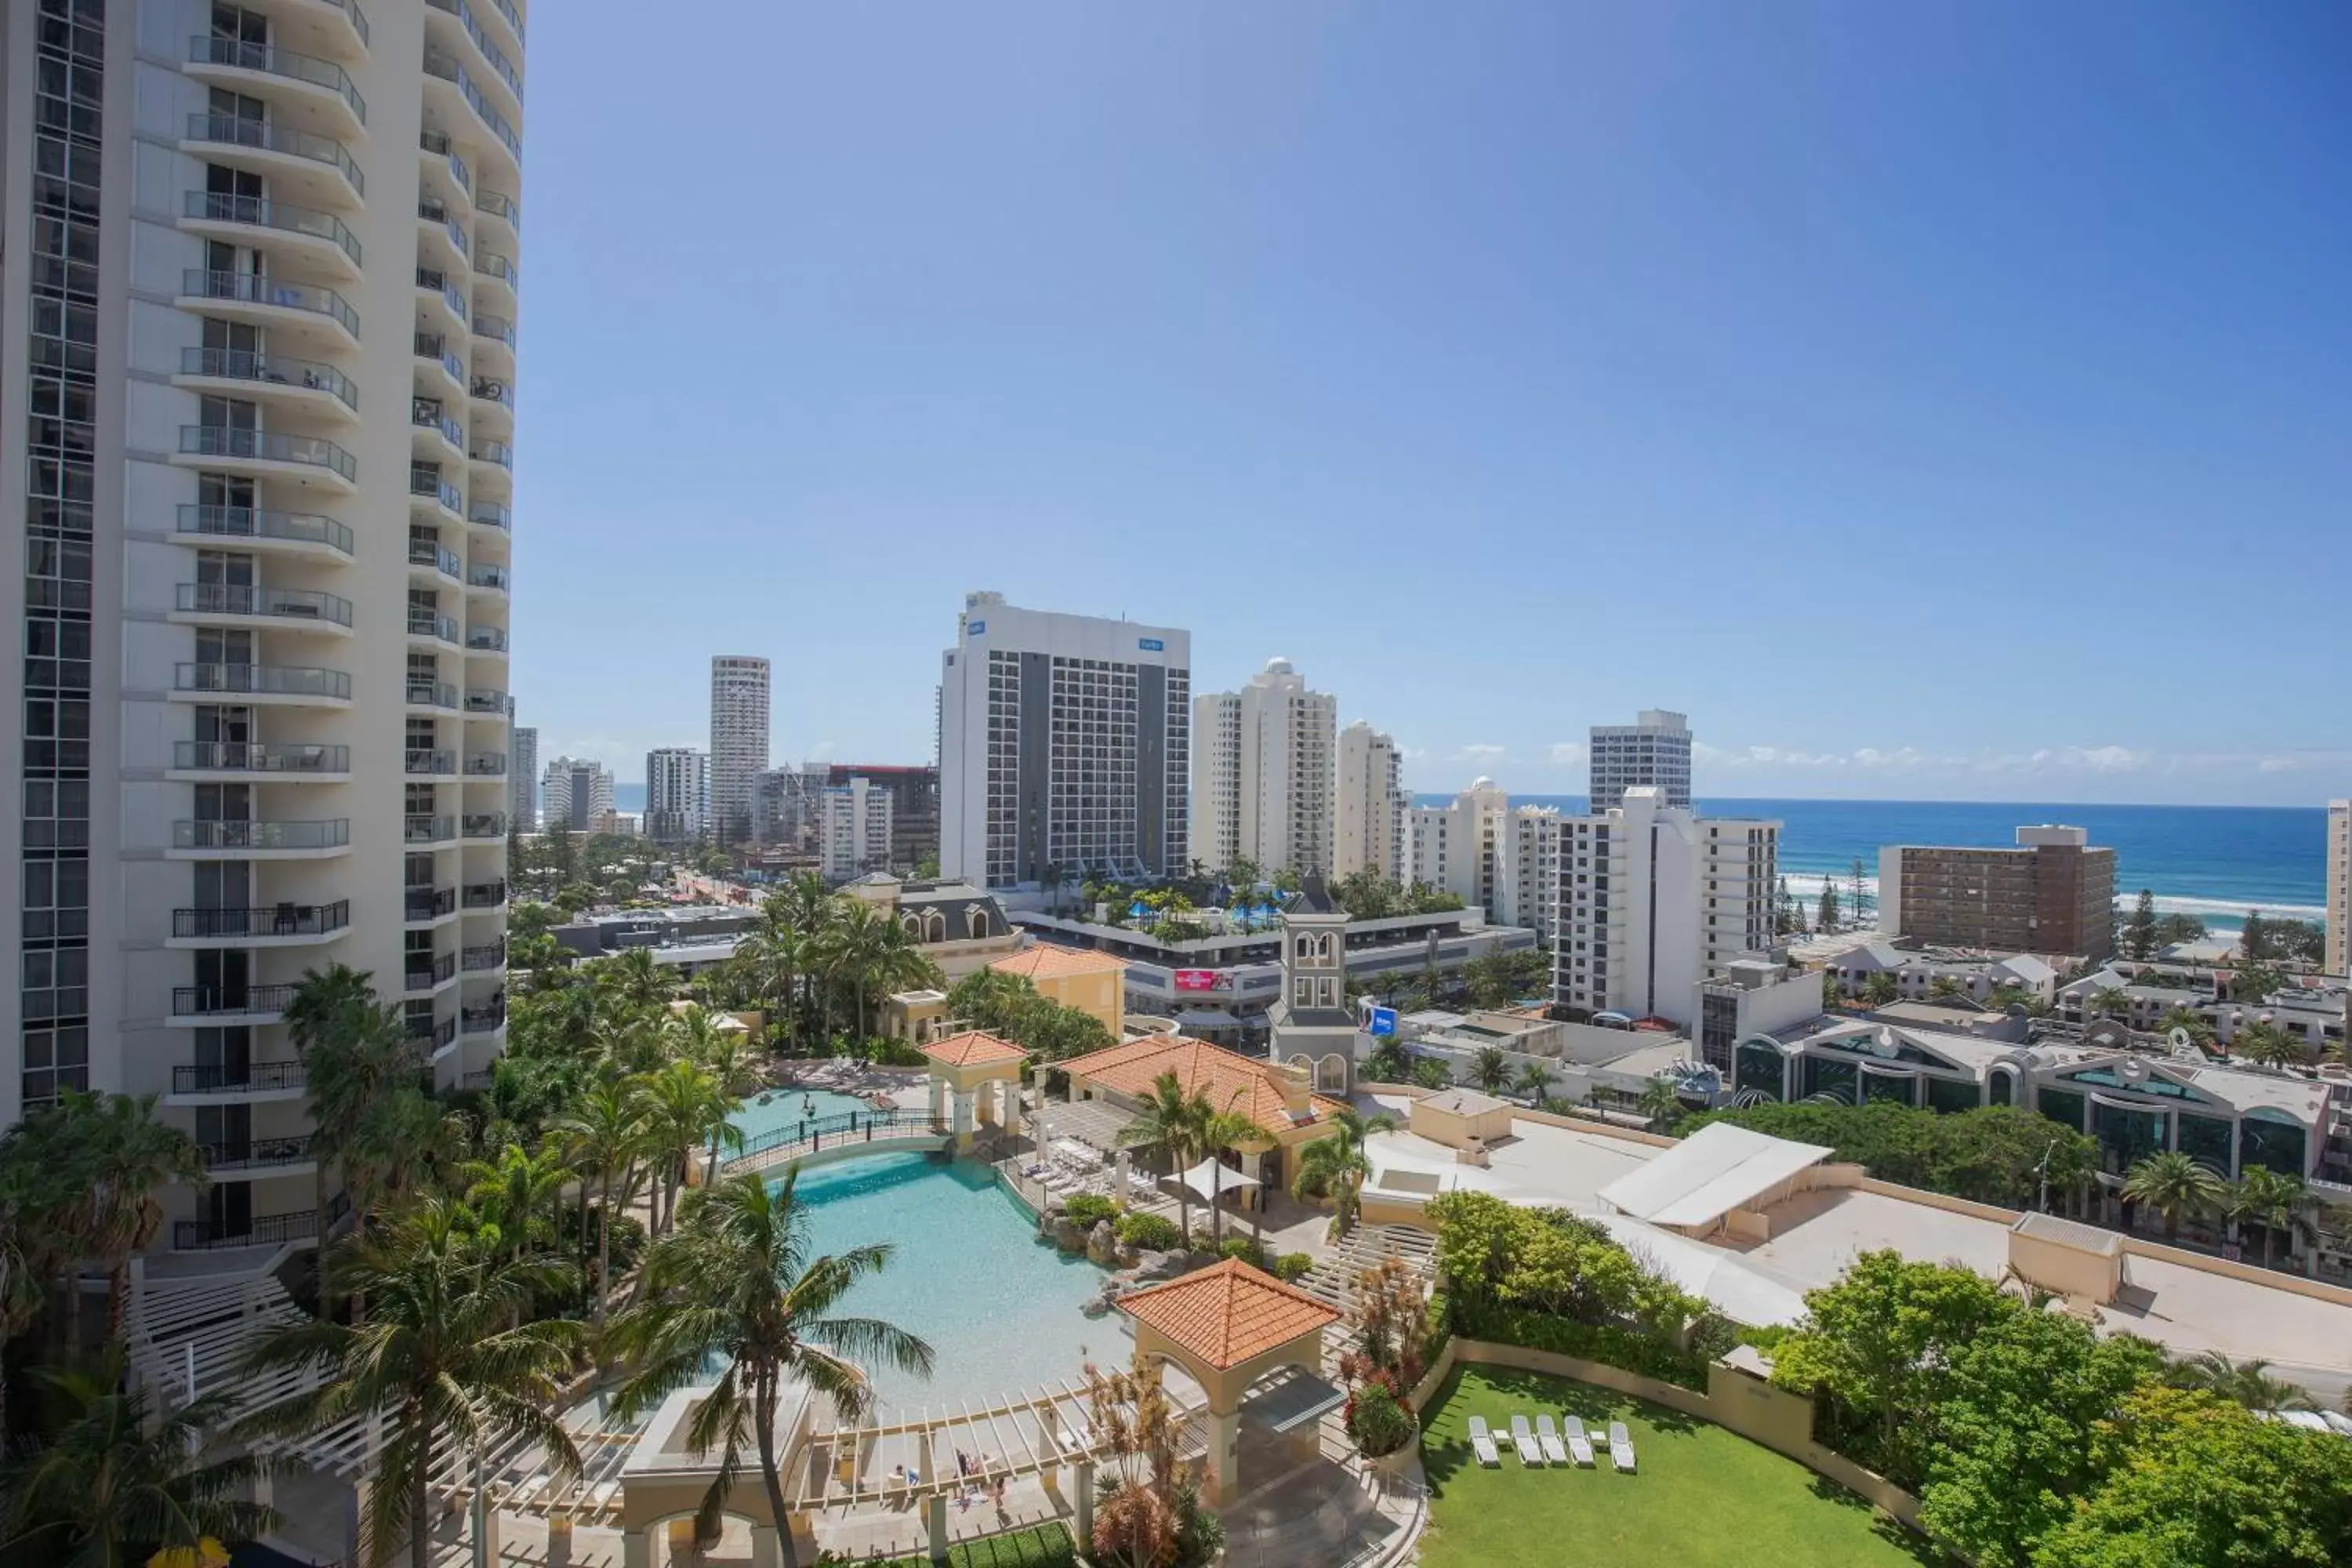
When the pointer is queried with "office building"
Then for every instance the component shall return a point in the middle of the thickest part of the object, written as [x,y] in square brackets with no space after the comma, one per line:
[854,830]
[1262,773]
[258,449]
[575,797]
[1654,900]
[1651,753]
[914,793]
[2052,892]
[1369,832]
[522,810]
[1064,746]
[739,740]
[2339,887]
[677,794]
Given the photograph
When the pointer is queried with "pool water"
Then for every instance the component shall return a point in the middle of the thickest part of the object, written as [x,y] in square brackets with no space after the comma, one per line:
[969,1275]
[788,1107]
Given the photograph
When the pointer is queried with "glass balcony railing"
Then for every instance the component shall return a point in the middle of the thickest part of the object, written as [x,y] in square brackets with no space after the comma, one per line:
[268,446]
[431,345]
[491,514]
[483,1020]
[439,971]
[427,828]
[250,599]
[483,824]
[429,903]
[498,328]
[334,833]
[497,452]
[359,22]
[430,761]
[262,680]
[448,69]
[204,1001]
[484,700]
[514,18]
[499,267]
[433,1035]
[426,623]
[260,211]
[434,281]
[258,757]
[487,576]
[491,54]
[493,204]
[440,557]
[274,370]
[255,1153]
[238,54]
[262,135]
[252,289]
[232,1078]
[486,764]
[485,895]
[247,522]
[426,415]
[278,919]
[432,694]
[490,389]
[488,955]
[487,640]
[425,481]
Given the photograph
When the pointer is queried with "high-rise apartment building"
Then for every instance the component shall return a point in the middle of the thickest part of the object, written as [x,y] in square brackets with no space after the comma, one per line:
[1487,852]
[739,740]
[2339,886]
[914,793]
[1370,835]
[1262,773]
[787,802]
[2052,892]
[1065,744]
[523,772]
[853,830]
[258,365]
[1653,901]
[575,797]
[1651,753]
[677,794]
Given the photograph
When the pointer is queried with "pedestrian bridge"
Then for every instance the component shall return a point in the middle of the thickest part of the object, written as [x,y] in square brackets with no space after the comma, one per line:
[815,1140]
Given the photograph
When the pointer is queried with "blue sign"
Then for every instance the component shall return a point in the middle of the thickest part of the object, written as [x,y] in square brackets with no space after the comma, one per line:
[1383,1021]
[974,628]
[1151,645]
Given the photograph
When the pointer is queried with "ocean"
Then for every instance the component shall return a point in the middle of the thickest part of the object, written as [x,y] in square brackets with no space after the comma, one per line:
[2215,862]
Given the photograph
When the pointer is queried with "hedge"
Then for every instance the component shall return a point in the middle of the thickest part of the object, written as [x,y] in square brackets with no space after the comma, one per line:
[1628,1349]
[1152,1232]
[1085,1210]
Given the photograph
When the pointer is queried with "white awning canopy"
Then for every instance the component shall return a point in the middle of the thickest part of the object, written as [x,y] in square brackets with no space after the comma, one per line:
[1226,1178]
[1716,1170]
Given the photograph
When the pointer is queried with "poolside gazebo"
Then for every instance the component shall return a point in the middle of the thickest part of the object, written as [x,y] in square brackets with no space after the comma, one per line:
[962,1068]
[1230,1328]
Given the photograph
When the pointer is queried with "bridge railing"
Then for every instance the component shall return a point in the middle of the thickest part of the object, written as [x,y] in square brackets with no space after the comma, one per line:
[811,1134]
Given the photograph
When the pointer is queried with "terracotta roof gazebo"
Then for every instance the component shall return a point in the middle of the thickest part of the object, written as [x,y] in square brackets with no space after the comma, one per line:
[961,1068]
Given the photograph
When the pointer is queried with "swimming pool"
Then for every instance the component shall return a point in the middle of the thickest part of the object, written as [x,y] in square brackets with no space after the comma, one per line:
[999,1307]
[790,1106]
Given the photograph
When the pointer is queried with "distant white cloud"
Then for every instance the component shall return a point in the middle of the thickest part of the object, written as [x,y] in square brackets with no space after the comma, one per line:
[821,752]
[1570,753]
[1479,752]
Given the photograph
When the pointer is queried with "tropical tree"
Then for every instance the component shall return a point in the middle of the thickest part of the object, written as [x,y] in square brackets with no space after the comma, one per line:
[2112,1001]
[2175,1185]
[2140,930]
[40,1192]
[1660,1103]
[1433,1073]
[124,1154]
[1172,1124]
[735,1287]
[1490,1070]
[606,1133]
[1148,1514]
[443,1361]
[1534,1081]
[514,1196]
[2273,1200]
[2266,1044]
[2200,1027]
[2246,1383]
[685,1109]
[117,1479]
[1389,1062]
[1881,988]
[1230,1128]
[1336,1165]
[1945,988]
[2254,983]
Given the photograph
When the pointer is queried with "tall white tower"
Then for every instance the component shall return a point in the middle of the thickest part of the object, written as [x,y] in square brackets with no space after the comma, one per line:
[1262,773]
[739,740]
[258,340]
[1371,804]
[677,794]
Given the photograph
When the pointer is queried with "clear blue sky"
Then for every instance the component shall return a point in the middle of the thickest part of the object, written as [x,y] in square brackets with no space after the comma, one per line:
[1948,401]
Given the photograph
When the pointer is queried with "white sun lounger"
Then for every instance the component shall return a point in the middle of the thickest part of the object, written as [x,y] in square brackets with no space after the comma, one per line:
[1620,1446]
[1549,1435]
[1523,1438]
[1579,1446]
[1482,1442]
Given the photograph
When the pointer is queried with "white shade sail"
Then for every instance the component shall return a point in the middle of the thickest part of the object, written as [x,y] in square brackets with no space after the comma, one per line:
[1226,1178]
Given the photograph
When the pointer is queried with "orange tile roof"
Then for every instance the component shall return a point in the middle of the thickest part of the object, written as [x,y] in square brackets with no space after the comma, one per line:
[1254,1087]
[1047,961]
[1228,1314]
[972,1049]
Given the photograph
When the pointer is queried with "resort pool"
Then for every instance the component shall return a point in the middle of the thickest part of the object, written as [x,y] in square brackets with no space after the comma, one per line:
[789,1105]
[999,1307]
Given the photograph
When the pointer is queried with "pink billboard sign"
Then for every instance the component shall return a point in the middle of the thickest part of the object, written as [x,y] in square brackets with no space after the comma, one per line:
[1198,980]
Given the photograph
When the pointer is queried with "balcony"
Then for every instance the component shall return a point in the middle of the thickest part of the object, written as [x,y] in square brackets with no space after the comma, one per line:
[480,960]
[486,764]
[319,168]
[239,220]
[436,144]
[425,415]
[498,272]
[226,1005]
[486,639]
[261,1230]
[259,1157]
[433,694]
[299,308]
[254,762]
[504,208]
[439,66]
[488,577]
[248,1082]
[435,347]
[485,894]
[483,824]
[436,284]
[267,454]
[436,555]
[434,763]
[352,21]
[492,56]
[496,453]
[495,330]
[491,514]
[245,603]
[262,685]
[427,624]
[435,1037]
[239,839]
[279,925]
[487,1019]
[299,383]
[284,532]
[429,976]
[481,701]
[424,480]
[417,828]
[434,214]
[420,906]
[322,86]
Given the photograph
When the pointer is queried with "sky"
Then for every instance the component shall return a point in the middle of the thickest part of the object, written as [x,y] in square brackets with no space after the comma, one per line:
[1939,401]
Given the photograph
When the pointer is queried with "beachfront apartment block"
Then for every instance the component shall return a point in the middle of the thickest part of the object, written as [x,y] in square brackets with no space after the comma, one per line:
[257,296]
[1262,773]
[1651,753]
[2339,887]
[2051,892]
[677,794]
[1065,747]
[1369,830]
[575,797]
[853,830]
[1654,900]
[739,740]
[522,775]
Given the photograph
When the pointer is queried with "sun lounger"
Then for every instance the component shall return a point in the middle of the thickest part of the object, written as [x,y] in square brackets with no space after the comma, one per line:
[1482,1442]
[1620,1446]
[1523,1438]
[1555,1452]
[1579,1446]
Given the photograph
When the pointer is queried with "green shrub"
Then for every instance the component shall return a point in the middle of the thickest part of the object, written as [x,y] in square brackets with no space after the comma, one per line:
[1242,1247]
[1151,1232]
[1377,1422]
[1293,1267]
[1629,1348]
[1085,1210]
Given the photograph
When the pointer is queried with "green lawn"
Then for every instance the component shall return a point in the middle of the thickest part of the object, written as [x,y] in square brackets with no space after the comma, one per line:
[1046,1546]
[1702,1497]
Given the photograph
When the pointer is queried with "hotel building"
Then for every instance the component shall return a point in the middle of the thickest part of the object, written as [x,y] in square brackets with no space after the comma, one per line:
[1371,804]
[738,741]
[1262,773]
[2052,893]
[1651,753]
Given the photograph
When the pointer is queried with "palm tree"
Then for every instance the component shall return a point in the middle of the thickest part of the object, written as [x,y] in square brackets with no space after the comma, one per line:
[126,1154]
[2272,1199]
[735,1286]
[1432,1072]
[1490,1070]
[2200,1027]
[1881,988]
[685,1109]
[605,1132]
[515,1197]
[1336,1164]
[443,1360]
[1944,988]
[119,1479]
[1534,1081]
[2266,1044]
[2174,1185]
[1172,1124]
[1659,1101]
[2112,1000]
[1389,1062]
[350,1044]
[1220,1130]
[636,978]
[2248,1383]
